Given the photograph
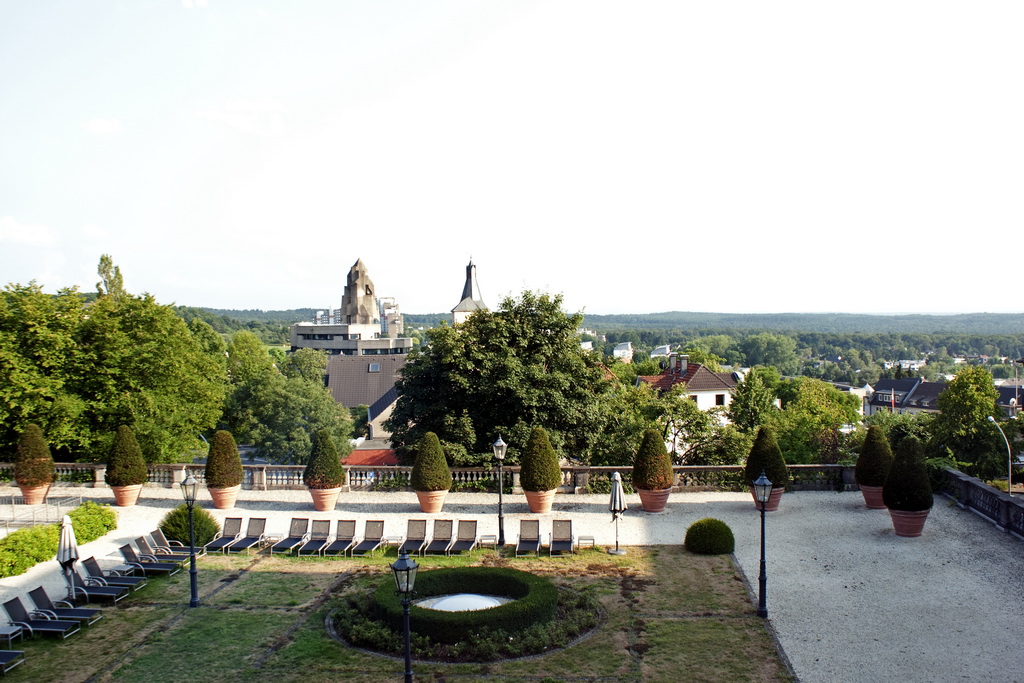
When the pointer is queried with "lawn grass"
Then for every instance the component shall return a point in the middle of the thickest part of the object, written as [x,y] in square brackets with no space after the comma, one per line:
[670,615]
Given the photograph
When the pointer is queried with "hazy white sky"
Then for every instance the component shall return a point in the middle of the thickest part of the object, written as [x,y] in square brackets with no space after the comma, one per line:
[633,156]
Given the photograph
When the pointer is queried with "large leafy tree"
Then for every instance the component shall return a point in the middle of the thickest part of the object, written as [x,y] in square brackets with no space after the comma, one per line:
[80,370]
[502,371]
[139,365]
[279,412]
[808,428]
[962,431]
[37,351]
[753,402]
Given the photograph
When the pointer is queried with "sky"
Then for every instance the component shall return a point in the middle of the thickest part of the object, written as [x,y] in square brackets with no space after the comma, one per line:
[736,156]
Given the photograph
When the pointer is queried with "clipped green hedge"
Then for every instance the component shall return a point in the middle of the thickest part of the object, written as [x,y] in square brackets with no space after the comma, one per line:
[175,525]
[23,549]
[535,600]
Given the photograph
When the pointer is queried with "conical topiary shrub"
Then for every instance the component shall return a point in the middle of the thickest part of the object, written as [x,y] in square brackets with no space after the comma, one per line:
[324,474]
[652,472]
[873,465]
[539,472]
[224,473]
[33,465]
[126,468]
[765,456]
[907,491]
[431,479]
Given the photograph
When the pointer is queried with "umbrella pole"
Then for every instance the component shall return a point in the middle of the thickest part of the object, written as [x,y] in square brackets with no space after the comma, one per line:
[617,551]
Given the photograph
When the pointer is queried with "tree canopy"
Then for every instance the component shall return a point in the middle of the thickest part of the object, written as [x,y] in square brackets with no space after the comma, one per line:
[502,371]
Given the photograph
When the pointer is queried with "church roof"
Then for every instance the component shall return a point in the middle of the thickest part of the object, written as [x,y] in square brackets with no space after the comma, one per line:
[471,299]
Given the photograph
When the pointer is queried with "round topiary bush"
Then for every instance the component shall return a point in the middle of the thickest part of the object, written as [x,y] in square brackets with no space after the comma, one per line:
[33,464]
[539,468]
[765,456]
[224,464]
[710,536]
[324,470]
[652,467]
[907,488]
[125,465]
[175,525]
[535,601]
[875,459]
[430,470]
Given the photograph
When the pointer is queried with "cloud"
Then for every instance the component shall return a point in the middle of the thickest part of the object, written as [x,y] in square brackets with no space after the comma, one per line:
[103,128]
[31,235]
[189,4]
[260,117]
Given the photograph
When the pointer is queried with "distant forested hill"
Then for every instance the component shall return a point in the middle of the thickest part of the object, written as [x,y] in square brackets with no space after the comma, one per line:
[837,323]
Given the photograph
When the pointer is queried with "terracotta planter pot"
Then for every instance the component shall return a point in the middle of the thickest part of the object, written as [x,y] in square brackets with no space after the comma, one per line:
[540,501]
[872,497]
[324,500]
[773,498]
[654,500]
[34,495]
[431,501]
[908,524]
[126,496]
[224,497]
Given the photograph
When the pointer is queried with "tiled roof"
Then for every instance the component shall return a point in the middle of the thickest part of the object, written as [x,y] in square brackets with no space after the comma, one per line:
[697,378]
[352,384]
[372,457]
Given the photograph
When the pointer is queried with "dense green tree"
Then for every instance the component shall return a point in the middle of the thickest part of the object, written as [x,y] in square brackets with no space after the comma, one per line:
[37,352]
[898,426]
[962,431]
[307,364]
[276,413]
[771,349]
[753,402]
[502,371]
[627,411]
[81,371]
[809,427]
[139,365]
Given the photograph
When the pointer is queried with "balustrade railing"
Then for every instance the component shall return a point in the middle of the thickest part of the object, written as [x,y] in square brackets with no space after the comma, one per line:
[574,479]
[999,507]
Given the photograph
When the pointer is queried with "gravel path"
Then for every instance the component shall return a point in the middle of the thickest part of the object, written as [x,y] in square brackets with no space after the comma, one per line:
[848,600]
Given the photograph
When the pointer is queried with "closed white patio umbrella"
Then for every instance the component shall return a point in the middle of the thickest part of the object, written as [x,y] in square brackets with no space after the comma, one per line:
[617,505]
[67,553]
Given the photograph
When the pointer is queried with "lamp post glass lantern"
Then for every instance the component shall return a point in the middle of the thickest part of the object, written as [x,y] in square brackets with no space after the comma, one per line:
[404,570]
[762,489]
[499,454]
[188,492]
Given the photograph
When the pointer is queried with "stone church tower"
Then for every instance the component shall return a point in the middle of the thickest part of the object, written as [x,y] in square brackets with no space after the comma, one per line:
[471,300]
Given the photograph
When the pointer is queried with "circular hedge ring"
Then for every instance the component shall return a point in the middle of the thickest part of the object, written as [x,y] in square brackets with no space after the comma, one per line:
[534,600]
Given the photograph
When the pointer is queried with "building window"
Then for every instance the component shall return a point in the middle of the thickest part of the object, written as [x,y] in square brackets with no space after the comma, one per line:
[693,397]
[374,367]
[719,399]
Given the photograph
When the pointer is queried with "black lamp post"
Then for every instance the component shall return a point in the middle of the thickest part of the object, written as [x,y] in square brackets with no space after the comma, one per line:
[1009,457]
[404,570]
[762,489]
[499,454]
[188,491]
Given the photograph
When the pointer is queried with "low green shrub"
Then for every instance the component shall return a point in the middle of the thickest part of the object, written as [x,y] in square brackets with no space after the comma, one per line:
[92,520]
[398,482]
[125,464]
[430,471]
[535,600]
[33,464]
[23,549]
[324,470]
[175,525]
[710,536]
